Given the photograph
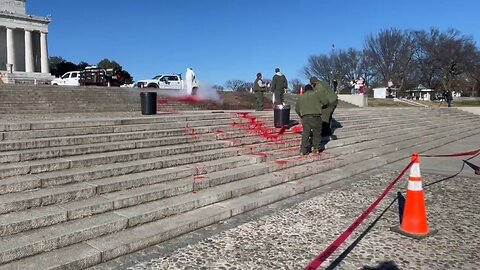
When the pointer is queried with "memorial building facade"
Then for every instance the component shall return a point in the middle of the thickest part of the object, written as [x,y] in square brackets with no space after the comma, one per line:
[23,44]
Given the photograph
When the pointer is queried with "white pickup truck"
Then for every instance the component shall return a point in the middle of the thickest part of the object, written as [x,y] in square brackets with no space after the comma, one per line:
[171,82]
[70,78]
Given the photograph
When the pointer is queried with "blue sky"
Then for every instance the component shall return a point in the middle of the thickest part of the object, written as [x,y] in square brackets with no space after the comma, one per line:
[233,39]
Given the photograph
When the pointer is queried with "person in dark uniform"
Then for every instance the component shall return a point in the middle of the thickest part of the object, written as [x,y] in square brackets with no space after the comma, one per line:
[327,111]
[279,86]
[309,108]
[448,97]
[259,88]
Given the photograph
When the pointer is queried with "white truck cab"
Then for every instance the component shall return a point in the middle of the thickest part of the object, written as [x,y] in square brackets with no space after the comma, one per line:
[164,81]
[171,82]
[70,78]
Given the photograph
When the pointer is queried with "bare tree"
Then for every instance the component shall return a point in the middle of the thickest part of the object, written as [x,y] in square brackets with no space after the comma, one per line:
[237,85]
[218,87]
[320,66]
[445,59]
[349,65]
[473,77]
[296,84]
[389,56]
[342,67]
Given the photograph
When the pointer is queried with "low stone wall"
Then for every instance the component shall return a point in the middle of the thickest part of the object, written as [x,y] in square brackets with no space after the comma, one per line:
[357,100]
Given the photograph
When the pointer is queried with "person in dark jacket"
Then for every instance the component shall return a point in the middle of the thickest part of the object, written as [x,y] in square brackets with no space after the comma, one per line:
[259,88]
[327,111]
[448,97]
[309,108]
[279,86]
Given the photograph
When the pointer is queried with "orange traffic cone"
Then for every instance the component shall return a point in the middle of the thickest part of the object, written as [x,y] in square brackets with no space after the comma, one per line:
[301,91]
[414,221]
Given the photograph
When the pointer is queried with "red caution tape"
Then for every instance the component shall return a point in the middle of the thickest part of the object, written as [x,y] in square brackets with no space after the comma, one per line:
[344,236]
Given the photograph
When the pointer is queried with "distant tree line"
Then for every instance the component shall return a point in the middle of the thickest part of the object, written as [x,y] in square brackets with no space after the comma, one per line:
[60,66]
[439,60]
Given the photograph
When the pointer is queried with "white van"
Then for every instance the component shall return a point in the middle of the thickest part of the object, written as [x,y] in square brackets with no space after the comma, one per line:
[69,78]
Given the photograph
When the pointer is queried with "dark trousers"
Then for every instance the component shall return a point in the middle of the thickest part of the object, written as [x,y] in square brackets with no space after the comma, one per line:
[327,114]
[260,97]
[311,125]
[279,95]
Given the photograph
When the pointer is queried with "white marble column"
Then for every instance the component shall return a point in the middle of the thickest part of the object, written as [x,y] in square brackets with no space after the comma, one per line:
[28,52]
[44,52]
[10,48]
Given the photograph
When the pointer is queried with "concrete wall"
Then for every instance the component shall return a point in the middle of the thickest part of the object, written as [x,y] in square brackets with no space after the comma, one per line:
[358,100]
[15,6]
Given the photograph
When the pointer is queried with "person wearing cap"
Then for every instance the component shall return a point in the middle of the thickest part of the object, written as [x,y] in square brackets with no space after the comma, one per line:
[327,111]
[279,86]
[309,108]
[259,88]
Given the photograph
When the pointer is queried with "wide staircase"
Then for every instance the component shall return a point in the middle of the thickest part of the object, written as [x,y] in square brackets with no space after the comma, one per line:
[76,193]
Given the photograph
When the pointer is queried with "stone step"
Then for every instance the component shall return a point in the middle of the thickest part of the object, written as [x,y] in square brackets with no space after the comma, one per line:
[48,215]
[60,194]
[64,234]
[151,193]
[17,169]
[285,160]
[188,116]
[64,163]
[63,132]
[104,138]
[132,239]
[16,184]
[152,119]
[72,162]
[65,151]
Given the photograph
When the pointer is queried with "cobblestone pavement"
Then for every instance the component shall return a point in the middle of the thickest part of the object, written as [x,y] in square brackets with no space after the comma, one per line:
[291,237]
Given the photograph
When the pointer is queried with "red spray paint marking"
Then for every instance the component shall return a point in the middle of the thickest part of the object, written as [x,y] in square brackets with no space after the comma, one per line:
[189,100]
[163,101]
[185,99]
[297,129]
[262,155]
[191,132]
[282,162]
[243,114]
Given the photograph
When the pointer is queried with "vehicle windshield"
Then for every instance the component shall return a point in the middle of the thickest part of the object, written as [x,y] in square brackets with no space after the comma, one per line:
[156,77]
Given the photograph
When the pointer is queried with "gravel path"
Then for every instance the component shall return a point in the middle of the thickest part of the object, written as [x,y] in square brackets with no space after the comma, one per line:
[291,237]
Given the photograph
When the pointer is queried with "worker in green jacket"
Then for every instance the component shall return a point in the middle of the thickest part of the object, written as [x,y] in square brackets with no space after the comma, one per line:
[259,88]
[279,86]
[327,112]
[309,108]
